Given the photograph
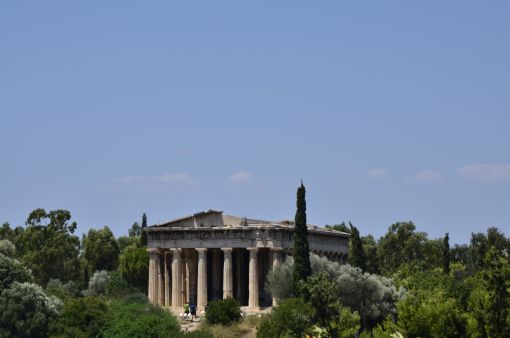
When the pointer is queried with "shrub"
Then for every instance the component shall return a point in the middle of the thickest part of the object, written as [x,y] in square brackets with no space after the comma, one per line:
[80,317]
[139,320]
[291,318]
[279,280]
[98,284]
[137,297]
[224,311]
[117,286]
[55,287]
[7,248]
[11,270]
[372,296]
[430,314]
[25,311]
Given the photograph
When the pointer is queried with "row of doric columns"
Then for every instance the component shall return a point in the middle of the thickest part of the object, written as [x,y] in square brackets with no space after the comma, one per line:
[174,280]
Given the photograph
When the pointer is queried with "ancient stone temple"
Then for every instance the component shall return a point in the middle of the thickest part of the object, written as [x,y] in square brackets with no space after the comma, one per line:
[210,255]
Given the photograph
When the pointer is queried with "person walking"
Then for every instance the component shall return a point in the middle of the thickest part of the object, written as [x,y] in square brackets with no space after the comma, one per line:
[193,310]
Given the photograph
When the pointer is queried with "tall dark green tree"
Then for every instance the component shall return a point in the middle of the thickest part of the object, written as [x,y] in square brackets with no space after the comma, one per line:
[144,233]
[357,258]
[302,267]
[446,254]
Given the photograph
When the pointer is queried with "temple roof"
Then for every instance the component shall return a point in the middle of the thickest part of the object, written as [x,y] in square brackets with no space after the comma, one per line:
[217,219]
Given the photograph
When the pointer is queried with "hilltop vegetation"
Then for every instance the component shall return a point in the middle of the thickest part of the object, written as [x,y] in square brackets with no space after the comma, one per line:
[52,283]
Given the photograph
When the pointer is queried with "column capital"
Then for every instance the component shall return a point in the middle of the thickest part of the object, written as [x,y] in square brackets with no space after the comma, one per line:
[153,250]
[226,249]
[276,249]
[176,250]
[201,250]
[253,249]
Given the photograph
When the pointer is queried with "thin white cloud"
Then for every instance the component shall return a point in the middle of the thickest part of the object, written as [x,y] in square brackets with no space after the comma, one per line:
[167,179]
[378,173]
[485,172]
[240,177]
[428,176]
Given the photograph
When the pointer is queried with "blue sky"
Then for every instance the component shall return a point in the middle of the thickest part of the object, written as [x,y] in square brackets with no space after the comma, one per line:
[388,111]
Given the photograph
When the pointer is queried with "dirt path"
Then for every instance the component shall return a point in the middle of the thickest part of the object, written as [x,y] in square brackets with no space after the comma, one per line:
[188,326]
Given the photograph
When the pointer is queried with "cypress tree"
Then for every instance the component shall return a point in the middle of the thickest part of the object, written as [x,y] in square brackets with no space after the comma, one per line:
[144,233]
[302,268]
[357,258]
[446,254]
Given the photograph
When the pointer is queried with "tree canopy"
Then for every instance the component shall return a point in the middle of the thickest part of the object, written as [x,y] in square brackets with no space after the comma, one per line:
[101,250]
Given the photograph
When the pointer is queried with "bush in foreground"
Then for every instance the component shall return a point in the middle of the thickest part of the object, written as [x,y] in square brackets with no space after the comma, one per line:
[80,317]
[98,284]
[139,320]
[224,311]
[25,311]
[292,318]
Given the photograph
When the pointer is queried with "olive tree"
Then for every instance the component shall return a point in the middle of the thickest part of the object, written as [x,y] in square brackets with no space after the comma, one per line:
[26,311]
[373,297]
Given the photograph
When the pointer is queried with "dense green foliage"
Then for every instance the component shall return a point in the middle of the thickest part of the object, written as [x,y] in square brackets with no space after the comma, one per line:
[114,304]
[223,311]
[80,318]
[291,318]
[7,248]
[11,270]
[302,268]
[101,250]
[134,266]
[26,311]
[331,318]
[401,285]
[139,320]
[49,247]
[373,297]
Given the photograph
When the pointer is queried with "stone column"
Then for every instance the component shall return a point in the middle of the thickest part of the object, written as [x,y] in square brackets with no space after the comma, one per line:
[176,278]
[186,275]
[277,259]
[153,259]
[184,294]
[168,295]
[161,285]
[253,284]
[228,282]
[202,278]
